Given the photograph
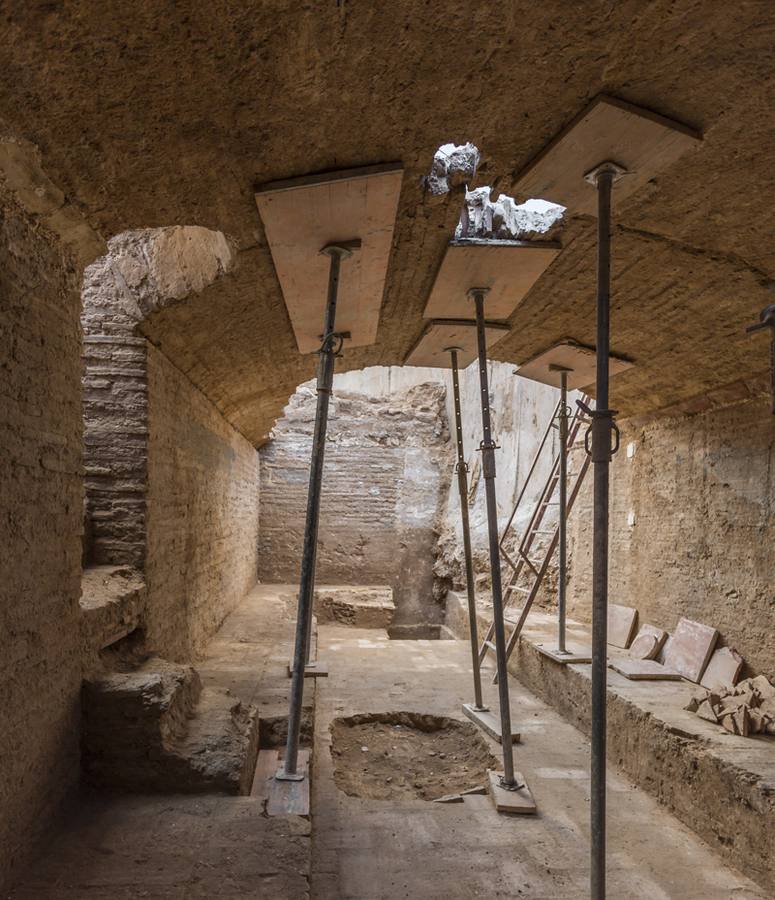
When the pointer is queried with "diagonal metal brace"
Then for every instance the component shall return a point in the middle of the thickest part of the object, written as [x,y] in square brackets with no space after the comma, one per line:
[599,431]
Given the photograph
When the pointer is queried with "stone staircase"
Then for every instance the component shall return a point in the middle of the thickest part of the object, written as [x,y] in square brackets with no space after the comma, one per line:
[155,729]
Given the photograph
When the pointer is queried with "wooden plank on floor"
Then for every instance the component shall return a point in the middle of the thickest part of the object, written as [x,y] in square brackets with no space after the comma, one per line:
[291,798]
[266,766]
[519,802]
[312,670]
[489,722]
[575,654]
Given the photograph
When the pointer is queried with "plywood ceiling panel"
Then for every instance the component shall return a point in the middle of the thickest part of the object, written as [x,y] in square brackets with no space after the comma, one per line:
[301,216]
[642,142]
[580,360]
[440,334]
[507,268]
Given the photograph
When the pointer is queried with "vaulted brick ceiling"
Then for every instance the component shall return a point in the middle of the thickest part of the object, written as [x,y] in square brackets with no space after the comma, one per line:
[152,114]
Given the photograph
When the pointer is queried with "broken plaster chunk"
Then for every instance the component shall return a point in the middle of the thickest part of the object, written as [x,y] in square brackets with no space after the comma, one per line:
[761,684]
[729,724]
[453,166]
[697,698]
[743,686]
[742,721]
[733,702]
[757,721]
[767,707]
[705,711]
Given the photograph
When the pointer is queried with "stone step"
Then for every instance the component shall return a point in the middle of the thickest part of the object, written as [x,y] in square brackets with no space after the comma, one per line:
[155,729]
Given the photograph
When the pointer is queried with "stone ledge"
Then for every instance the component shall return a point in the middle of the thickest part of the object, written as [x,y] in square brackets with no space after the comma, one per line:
[719,785]
[359,606]
[112,601]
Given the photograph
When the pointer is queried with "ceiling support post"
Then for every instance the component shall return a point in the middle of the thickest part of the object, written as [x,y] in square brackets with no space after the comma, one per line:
[487,446]
[562,421]
[330,347]
[461,469]
[602,427]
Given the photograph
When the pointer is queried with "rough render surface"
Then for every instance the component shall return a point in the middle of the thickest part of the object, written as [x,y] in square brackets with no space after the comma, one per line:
[700,493]
[203,491]
[40,528]
[386,470]
[692,252]
[188,136]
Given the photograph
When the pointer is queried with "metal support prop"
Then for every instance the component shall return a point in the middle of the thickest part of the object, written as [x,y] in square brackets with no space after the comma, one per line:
[462,485]
[767,320]
[601,429]
[487,446]
[330,347]
[562,418]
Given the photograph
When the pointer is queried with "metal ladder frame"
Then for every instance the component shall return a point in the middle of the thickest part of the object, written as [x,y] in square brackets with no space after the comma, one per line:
[534,528]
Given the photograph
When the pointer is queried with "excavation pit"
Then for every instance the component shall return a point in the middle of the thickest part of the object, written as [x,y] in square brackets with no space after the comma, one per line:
[382,756]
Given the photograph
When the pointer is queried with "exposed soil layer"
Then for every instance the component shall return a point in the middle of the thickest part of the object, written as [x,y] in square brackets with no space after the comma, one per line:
[382,756]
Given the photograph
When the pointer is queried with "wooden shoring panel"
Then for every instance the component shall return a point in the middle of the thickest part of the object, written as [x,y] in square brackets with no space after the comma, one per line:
[440,334]
[304,214]
[639,140]
[508,268]
[580,360]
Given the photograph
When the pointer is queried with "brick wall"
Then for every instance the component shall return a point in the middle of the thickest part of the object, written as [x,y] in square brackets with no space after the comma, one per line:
[143,271]
[386,471]
[40,528]
[202,514]
[171,487]
[115,420]
[700,493]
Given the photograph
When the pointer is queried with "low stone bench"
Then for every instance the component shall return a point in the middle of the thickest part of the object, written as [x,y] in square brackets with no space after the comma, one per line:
[359,606]
[720,785]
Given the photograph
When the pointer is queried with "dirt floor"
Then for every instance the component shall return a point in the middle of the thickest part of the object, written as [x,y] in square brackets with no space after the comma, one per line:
[405,847]
[389,755]
[174,847]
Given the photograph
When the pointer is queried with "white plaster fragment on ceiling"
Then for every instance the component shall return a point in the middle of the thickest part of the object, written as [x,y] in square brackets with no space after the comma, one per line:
[504,219]
[453,165]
